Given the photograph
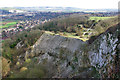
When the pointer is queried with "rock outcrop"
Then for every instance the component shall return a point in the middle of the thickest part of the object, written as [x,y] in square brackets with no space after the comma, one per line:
[55,44]
[75,58]
[103,52]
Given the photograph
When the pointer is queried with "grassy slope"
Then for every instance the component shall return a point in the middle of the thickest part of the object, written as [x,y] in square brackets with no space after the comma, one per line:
[66,34]
[100,18]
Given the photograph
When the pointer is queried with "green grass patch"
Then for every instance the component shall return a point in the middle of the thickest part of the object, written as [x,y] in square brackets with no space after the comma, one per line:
[66,34]
[10,20]
[48,32]
[100,18]
[8,24]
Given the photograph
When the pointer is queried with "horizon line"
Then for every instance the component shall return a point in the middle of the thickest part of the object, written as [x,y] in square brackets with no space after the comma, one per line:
[53,6]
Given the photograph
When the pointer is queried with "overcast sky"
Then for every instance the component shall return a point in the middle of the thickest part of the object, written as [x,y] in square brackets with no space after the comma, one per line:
[87,4]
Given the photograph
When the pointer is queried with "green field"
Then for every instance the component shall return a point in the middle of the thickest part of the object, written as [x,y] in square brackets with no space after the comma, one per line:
[8,24]
[100,18]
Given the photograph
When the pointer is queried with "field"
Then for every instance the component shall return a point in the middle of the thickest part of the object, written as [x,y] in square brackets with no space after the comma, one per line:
[7,24]
[100,18]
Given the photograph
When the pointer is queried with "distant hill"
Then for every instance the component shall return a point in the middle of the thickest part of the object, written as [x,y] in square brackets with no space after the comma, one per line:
[4,11]
[60,9]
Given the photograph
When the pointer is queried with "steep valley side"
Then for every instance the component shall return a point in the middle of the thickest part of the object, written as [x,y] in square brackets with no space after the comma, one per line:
[62,57]
[69,57]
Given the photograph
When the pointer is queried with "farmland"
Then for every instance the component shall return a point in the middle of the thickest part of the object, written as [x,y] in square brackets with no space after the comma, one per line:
[7,24]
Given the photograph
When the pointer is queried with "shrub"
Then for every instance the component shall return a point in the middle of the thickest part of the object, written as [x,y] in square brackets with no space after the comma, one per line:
[5,66]
[35,71]
[28,60]
[23,69]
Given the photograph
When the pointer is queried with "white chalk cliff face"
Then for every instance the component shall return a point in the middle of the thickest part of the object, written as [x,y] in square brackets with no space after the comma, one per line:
[75,58]
[103,52]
